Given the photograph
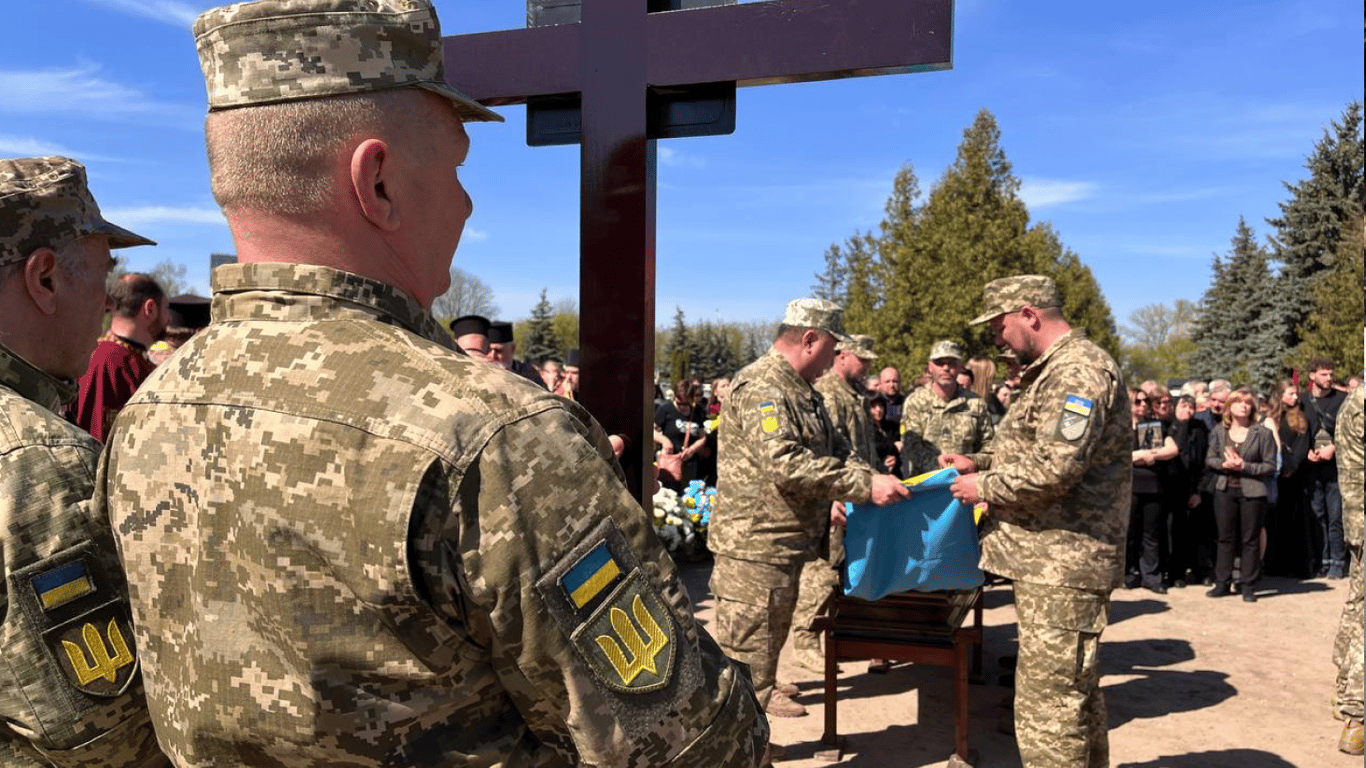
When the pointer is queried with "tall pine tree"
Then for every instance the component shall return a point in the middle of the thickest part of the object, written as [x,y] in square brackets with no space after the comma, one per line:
[540,337]
[679,350]
[1320,214]
[1334,328]
[1237,331]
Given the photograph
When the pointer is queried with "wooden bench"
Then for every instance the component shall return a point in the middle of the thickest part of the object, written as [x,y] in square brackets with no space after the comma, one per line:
[924,627]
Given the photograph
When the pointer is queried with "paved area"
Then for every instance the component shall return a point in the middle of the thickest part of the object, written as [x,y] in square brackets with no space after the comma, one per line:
[1190,682]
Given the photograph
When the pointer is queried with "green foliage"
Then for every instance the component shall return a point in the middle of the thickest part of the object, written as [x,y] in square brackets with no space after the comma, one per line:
[1321,212]
[1334,328]
[679,349]
[1157,343]
[920,280]
[1237,333]
[539,337]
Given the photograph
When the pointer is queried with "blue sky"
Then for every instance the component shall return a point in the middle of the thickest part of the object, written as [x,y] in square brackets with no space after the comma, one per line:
[1142,132]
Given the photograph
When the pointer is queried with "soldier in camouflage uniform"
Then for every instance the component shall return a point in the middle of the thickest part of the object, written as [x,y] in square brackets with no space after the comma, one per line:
[942,417]
[1348,651]
[1056,479]
[349,543]
[842,388]
[70,690]
[780,466]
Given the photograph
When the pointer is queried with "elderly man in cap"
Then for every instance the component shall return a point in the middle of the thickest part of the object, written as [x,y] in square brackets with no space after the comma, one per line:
[943,417]
[1056,479]
[347,542]
[781,464]
[70,690]
[502,348]
[471,333]
[842,388]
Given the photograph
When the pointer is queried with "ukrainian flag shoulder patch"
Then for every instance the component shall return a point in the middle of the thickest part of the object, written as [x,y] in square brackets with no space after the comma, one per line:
[62,585]
[768,417]
[595,574]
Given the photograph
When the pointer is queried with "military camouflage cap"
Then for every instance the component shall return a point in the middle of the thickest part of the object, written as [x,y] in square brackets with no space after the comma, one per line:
[1009,294]
[816,313]
[946,348]
[860,344]
[285,50]
[44,202]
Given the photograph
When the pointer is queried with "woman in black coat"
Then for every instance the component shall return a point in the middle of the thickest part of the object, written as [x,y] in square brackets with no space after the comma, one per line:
[1242,455]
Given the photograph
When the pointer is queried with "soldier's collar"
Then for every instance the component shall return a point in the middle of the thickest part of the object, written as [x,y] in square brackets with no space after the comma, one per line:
[1076,334]
[317,293]
[33,384]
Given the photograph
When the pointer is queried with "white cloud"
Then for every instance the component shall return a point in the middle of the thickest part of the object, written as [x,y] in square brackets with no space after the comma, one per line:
[166,11]
[471,233]
[672,158]
[161,214]
[79,90]
[1041,193]
[27,146]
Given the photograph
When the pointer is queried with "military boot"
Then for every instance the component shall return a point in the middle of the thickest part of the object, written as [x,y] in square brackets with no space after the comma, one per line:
[806,650]
[779,705]
[1353,738]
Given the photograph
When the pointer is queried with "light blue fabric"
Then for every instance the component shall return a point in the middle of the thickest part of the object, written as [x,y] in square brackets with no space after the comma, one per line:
[923,544]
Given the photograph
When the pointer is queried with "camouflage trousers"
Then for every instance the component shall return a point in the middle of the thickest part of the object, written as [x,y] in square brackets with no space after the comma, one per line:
[754,604]
[1060,717]
[1348,648]
[819,583]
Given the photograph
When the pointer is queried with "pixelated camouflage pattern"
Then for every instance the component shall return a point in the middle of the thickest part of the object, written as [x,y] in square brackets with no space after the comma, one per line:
[944,349]
[755,603]
[284,50]
[45,203]
[1349,650]
[47,469]
[1059,507]
[1060,719]
[860,344]
[849,418]
[1009,294]
[774,488]
[344,541]
[931,426]
[816,313]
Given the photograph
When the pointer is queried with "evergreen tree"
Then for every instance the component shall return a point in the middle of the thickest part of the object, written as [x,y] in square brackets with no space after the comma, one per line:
[540,340]
[829,283]
[1319,215]
[933,257]
[679,349]
[1334,328]
[1237,332]
[863,284]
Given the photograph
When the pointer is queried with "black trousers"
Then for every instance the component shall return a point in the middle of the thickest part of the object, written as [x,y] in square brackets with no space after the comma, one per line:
[1239,521]
[1147,539]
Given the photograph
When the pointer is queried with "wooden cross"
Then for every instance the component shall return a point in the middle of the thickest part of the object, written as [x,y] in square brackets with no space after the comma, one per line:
[611,57]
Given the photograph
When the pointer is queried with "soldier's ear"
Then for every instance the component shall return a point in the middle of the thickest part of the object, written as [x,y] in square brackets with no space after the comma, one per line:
[373,182]
[40,280]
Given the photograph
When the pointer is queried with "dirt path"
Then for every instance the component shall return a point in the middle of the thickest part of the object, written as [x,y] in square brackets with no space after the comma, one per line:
[1190,682]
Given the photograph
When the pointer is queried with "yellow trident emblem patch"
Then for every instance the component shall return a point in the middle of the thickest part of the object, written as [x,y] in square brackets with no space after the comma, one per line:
[642,653]
[632,648]
[102,663]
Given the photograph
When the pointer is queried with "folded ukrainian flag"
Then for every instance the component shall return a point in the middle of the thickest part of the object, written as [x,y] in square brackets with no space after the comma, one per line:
[923,544]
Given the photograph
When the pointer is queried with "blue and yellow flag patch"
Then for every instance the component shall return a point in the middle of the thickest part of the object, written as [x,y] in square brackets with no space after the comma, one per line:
[592,576]
[1078,405]
[768,414]
[62,585]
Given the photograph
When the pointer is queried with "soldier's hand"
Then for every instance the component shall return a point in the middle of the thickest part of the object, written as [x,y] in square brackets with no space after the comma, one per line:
[965,488]
[887,489]
[958,461]
[837,516]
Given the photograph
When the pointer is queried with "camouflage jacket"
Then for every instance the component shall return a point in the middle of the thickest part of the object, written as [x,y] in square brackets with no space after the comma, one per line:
[1350,434]
[70,692]
[1057,476]
[848,416]
[779,465]
[930,426]
[349,544]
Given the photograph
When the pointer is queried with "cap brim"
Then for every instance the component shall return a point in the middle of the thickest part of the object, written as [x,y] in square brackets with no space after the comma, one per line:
[842,337]
[866,355]
[469,109]
[986,318]
[120,237]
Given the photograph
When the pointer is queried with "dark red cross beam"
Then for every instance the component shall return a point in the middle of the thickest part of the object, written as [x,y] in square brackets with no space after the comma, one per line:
[611,57]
